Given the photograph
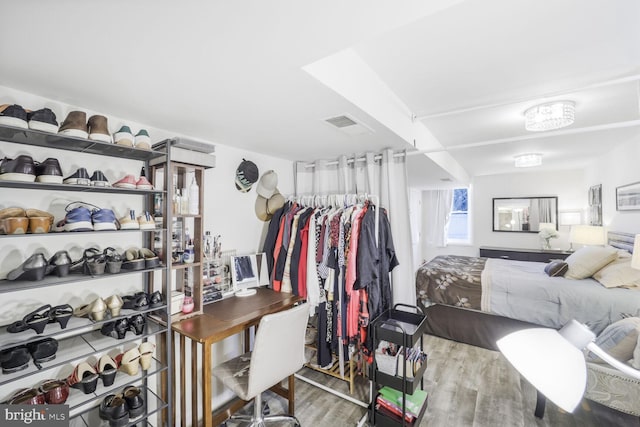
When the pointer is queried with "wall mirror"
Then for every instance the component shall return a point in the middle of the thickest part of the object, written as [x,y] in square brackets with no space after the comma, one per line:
[524,214]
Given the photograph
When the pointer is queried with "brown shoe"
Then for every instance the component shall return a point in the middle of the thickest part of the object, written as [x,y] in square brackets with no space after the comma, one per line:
[39,221]
[98,129]
[14,225]
[12,213]
[75,125]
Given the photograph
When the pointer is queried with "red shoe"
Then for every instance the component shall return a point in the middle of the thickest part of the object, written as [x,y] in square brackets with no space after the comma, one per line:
[144,184]
[127,182]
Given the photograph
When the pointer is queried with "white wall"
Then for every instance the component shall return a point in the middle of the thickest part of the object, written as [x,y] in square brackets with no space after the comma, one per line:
[618,167]
[568,185]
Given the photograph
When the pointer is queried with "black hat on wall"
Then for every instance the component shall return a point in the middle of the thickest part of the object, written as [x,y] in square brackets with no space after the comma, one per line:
[246,175]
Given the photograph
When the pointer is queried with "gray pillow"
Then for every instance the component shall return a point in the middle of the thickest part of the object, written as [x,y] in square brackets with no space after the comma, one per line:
[556,268]
[619,339]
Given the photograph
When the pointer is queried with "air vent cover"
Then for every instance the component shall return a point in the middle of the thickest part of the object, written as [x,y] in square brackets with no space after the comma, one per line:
[348,125]
[341,121]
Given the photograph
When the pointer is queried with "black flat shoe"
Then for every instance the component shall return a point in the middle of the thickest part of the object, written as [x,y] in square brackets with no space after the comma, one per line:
[155,299]
[137,324]
[117,329]
[114,409]
[14,359]
[134,400]
[36,320]
[43,351]
[138,301]
[34,268]
[60,264]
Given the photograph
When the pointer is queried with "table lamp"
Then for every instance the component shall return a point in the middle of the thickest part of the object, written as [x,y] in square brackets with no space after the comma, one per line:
[586,235]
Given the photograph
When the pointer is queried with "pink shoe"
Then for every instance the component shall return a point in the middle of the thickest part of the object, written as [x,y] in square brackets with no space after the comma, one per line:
[128,181]
[144,184]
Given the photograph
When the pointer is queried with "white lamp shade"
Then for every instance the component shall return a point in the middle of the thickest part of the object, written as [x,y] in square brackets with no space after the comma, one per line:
[587,235]
[549,362]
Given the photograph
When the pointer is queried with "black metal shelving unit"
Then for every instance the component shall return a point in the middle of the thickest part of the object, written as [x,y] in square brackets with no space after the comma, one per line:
[81,338]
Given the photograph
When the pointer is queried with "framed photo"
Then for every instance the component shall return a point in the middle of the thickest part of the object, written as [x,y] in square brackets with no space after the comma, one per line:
[628,197]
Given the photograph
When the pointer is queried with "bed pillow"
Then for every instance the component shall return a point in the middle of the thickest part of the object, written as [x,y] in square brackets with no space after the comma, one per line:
[619,339]
[618,273]
[557,268]
[636,356]
[587,260]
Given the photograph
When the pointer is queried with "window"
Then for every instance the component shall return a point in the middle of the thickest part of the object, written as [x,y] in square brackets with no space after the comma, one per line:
[458,231]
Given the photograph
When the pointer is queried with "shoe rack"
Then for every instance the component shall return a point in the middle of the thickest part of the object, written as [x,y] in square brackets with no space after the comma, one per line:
[185,273]
[81,340]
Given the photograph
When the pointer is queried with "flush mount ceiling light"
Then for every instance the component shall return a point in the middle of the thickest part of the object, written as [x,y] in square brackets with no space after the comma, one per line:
[549,116]
[528,160]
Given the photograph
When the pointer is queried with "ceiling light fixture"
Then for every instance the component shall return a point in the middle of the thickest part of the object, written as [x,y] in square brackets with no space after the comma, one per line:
[528,160]
[549,116]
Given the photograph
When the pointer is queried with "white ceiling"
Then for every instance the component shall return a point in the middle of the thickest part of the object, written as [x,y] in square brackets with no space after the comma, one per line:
[232,73]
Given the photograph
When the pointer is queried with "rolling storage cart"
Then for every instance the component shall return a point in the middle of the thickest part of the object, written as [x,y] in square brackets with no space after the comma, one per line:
[403,328]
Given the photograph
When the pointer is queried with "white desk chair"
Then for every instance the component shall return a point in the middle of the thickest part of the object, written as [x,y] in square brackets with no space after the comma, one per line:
[278,352]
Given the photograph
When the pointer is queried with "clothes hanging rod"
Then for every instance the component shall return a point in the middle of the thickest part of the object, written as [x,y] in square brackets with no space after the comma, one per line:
[376,157]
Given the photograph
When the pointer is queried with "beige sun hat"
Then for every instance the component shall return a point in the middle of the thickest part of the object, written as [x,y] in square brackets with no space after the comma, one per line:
[266,207]
[267,185]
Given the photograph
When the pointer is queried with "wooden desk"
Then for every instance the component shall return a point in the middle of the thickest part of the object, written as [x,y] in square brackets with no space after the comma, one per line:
[220,320]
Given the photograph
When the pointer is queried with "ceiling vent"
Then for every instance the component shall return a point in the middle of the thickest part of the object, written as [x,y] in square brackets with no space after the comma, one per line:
[348,124]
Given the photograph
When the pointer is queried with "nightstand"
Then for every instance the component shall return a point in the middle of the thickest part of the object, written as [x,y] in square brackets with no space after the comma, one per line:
[518,254]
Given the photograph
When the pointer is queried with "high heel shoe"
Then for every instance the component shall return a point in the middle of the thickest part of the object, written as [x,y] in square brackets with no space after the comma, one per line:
[95,310]
[34,268]
[60,264]
[146,354]
[84,378]
[36,320]
[129,361]
[138,301]
[114,304]
[107,368]
[61,314]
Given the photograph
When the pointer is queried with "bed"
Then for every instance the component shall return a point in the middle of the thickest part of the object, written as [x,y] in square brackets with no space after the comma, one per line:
[522,291]
[479,300]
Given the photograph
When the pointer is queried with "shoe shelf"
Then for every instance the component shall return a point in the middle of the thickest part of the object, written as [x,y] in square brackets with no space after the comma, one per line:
[19,285]
[45,139]
[77,326]
[77,233]
[80,402]
[184,265]
[91,417]
[74,187]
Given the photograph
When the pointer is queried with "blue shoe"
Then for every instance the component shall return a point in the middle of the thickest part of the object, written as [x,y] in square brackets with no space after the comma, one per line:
[104,219]
[76,219]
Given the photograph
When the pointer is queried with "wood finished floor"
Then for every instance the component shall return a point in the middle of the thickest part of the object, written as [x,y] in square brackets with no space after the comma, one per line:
[467,385]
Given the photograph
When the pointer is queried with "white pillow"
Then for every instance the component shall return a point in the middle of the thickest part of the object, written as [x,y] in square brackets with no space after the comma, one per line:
[618,273]
[587,260]
[619,339]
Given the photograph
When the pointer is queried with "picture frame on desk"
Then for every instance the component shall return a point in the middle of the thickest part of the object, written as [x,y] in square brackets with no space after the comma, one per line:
[248,272]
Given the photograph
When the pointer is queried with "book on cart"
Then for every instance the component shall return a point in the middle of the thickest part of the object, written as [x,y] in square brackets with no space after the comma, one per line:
[413,402]
[393,411]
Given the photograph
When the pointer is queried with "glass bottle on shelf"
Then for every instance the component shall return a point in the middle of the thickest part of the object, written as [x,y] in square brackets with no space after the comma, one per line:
[194,195]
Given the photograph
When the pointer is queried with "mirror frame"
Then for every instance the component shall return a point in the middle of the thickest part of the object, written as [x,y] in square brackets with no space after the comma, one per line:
[493,216]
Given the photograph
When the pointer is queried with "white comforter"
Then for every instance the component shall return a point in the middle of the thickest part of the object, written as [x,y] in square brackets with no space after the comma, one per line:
[521,290]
